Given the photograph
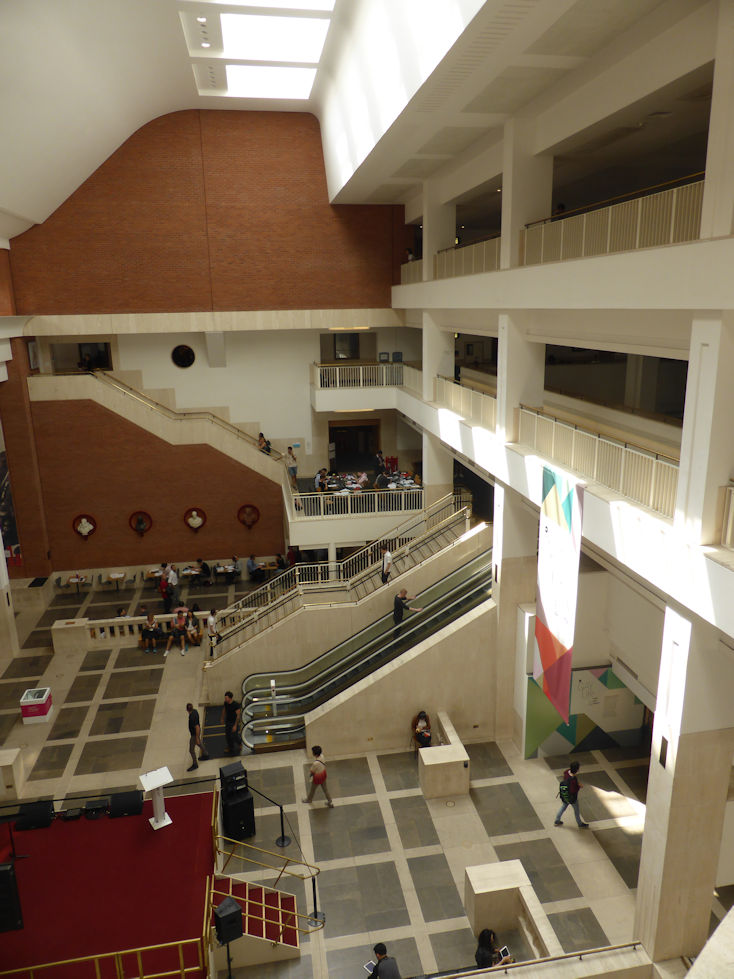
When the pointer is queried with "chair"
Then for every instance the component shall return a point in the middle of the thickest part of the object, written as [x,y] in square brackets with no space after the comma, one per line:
[104,585]
[62,584]
[131,581]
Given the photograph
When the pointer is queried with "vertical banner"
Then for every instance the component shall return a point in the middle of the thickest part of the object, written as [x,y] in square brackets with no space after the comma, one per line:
[559,550]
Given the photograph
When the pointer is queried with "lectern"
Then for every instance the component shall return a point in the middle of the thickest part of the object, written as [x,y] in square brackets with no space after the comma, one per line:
[153,782]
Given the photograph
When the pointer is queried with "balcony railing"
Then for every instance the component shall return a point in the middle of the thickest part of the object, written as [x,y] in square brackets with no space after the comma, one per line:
[482,256]
[640,475]
[665,218]
[357,375]
[481,409]
[306,506]
[411,272]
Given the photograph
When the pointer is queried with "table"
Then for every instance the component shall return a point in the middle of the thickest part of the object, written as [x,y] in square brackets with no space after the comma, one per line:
[76,579]
[117,577]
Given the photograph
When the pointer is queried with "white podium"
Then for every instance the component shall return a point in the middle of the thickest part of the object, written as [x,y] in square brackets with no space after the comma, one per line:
[153,782]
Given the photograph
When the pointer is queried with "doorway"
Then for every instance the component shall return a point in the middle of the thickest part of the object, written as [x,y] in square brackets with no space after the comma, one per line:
[355,444]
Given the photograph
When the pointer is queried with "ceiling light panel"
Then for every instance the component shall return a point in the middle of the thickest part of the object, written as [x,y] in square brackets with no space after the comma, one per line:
[269,82]
[255,37]
[317,5]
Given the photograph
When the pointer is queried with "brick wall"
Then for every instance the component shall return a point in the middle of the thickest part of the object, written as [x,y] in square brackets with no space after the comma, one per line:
[92,461]
[7,302]
[204,210]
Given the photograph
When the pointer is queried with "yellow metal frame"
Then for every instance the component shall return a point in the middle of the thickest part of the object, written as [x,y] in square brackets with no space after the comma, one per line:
[33,970]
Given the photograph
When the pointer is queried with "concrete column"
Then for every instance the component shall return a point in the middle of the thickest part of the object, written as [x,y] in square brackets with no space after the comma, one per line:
[332,560]
[717,214]
[216,350]
[438,354]
[438,469]
[527,187]
[641,382]
[520,376]
[690,769]
[515,571]
[439,227]
[707,449]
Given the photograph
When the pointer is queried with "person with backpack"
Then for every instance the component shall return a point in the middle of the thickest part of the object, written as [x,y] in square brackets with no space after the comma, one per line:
[569,794]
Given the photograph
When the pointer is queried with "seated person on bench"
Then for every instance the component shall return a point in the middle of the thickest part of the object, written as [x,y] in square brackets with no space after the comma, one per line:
[422,730]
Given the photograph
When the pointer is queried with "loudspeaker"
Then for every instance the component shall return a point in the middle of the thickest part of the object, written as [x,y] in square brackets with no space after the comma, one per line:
[238,815]
[126,804]
[35,815]
[11,918]
[69,815]
[96,808]
[233,778]
[228,921]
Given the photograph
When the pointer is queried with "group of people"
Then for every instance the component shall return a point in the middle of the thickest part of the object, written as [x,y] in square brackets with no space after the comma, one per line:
[184,628]
[487,955]
[230,718]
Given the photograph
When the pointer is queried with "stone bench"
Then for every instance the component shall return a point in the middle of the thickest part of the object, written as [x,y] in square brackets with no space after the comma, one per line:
[443,769]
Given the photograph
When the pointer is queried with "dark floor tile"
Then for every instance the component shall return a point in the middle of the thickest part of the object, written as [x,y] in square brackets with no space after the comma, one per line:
[68,600]
[27,666]
[544,866]
[276,783]
[111,755]
[216,743]
[636,778]
[97,659]
[122,718]
[104,611]
[434,884]
[37,639]
[516,941]
[108,596]
[7,723]
[83,689]
[133,683]
[487,760]
[454,949]
[578,930]
[350,776]
[134,656]
[51,762]
[267,831]
[346,963]
[12,690]
[55,615]
[400,771]
[347,831]
[622,846]
[601,799]
[364,898]
[505,809]
[68,723]
[560,762]
[414,822]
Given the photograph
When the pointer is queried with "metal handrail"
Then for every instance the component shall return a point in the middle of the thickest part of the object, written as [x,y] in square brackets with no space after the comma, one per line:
[532,963]
[180,970]
[288,860]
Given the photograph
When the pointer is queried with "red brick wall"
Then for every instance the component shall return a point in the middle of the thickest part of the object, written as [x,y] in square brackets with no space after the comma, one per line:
[7,301]
[204,210]
[92,461]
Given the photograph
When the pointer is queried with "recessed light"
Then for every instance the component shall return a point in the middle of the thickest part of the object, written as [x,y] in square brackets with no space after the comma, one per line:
[201,20]
[205,44]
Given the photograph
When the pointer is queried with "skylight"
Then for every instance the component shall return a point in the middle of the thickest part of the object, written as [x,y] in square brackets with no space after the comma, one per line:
[269,82]
[255,37]
[326,5]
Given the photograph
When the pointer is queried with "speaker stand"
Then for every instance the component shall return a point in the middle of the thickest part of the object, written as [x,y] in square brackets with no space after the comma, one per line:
[229,963]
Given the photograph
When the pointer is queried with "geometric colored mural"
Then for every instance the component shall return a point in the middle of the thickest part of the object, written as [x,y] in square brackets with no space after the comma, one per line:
[603,713]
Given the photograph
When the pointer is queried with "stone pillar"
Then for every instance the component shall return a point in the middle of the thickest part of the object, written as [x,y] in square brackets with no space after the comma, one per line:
[515,571]
[520,376]
[439,227]
[717,213]
[707,449]
[527,187]
[438,470]
[331,549]
[690,769]
[438,354]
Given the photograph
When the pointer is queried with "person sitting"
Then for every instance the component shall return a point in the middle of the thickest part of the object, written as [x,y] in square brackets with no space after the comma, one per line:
[235,570]
[382,481]
[178,630]
[422,729]
[255,571]
[487,953]
[281,562]
[193,632]
[362,480]
[205,572]
[151,632]
[263,444]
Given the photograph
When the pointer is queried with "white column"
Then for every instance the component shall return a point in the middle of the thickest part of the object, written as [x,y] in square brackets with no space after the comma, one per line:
[438,354]
[690,769]
[438,469]
[520,376]
[332,560]
[527,188]
[439,227]
[717,215]
[514,548]
[707,447]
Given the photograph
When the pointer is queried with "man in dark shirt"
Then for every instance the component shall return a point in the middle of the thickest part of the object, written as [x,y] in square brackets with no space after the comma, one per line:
[231,712]
[399,606]
[195,738]
[387,967]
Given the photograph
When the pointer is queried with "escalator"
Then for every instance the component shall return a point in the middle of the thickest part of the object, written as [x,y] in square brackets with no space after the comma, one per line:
[273,723]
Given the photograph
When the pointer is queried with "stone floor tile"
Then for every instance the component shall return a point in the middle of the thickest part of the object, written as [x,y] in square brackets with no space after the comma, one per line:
[578,930]
[112,754]
[435,887]
[487,760]
[400,770]
[51,762]
[133,683]
[414,822]
[27,666]
[68,723]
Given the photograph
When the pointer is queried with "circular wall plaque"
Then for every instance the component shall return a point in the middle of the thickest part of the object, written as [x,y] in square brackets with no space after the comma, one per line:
[195,518]
[183,356]
[248,514]
[84,524]
[140,522]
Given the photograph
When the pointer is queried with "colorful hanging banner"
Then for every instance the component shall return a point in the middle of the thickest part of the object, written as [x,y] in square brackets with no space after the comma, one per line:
[559,550]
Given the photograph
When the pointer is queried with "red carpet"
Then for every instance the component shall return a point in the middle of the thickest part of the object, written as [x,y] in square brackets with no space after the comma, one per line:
[99,886]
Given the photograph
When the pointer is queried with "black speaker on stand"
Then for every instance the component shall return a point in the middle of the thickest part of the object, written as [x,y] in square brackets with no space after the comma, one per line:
[238,815]
[35,815]
[228,926]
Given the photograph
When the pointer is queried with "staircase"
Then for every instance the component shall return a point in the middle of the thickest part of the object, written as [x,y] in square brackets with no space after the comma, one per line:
[268,916]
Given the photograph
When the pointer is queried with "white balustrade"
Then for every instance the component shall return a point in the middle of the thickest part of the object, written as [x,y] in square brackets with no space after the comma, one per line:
[482,256]
[322,506]
[411,272]
[636,473]
[476,407]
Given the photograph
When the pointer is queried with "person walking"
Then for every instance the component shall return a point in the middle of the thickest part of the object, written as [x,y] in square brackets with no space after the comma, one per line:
[400,604]
[569,792]
[195,738]
[386,564]
[231,711]
[387,967]
[292,465]
[211,630]
[317,774]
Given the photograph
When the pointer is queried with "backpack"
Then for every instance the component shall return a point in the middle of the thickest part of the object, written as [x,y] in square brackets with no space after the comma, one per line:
[564,791]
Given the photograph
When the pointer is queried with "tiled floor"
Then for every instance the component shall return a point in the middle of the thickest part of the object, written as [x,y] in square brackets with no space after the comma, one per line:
[392,863]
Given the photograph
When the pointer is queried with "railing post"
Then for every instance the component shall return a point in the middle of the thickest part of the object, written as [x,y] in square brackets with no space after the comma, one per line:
[317,915]
[282,840]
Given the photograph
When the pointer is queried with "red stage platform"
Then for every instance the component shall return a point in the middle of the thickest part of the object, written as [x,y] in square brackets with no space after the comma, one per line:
[95,886]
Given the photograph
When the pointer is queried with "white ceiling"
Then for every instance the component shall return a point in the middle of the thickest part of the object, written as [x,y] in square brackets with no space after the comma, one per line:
[78,77]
